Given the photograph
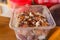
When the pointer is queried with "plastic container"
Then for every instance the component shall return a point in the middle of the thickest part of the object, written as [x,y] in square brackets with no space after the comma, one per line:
[32,33]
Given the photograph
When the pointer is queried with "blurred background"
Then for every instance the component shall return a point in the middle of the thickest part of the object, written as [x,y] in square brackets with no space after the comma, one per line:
[7,34]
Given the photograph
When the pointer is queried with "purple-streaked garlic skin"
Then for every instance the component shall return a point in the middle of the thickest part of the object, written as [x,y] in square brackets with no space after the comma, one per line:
[30,37]
[21,37]
[31,34]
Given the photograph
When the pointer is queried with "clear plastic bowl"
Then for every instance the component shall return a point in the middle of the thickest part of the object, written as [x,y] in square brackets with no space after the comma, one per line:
[32,33]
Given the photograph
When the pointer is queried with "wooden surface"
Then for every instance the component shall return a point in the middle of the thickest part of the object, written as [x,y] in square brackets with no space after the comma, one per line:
[5,32]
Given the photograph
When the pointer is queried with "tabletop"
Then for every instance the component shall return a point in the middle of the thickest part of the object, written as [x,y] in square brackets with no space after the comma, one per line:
[5,32]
